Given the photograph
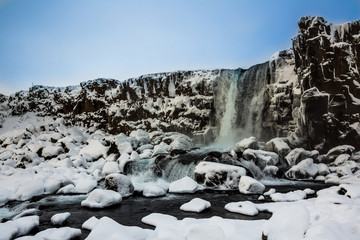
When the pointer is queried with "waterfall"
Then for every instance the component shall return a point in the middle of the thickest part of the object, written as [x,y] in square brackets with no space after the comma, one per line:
[239,103]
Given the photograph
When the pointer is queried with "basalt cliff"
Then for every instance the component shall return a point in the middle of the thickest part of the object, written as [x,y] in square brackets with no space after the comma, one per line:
[309,95]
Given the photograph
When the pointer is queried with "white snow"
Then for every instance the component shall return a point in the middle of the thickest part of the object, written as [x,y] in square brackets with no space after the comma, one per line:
[246,208]
[19,227]
[94,149]
[110,167]
[287,223]
[99,198]
[183,185]
[247,143]
[195,205]
[60,218]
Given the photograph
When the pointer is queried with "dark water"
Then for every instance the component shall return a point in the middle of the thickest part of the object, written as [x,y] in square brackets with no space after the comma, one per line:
[131,210]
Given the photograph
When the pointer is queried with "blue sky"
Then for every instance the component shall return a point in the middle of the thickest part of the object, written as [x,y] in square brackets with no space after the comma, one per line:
[65,42]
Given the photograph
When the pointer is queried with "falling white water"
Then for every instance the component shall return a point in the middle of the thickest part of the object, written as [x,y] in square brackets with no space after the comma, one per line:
[228,120]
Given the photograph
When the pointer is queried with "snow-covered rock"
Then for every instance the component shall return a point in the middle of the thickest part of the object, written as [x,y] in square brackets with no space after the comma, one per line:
[247,143]
[246,208]
[195,205]
[288,197]
[90,223]
[141,136]
[279,146]
[64,233]
[249,185]
[298,154]
[51,151]
[110,167]
[18,227]
[153,190]
[333,153]
[183,185]
[218,175]
[59,218]
[261,158]
[95,149]
[205,232]
[99,198]
[303,170]
[119,183]
[161,148]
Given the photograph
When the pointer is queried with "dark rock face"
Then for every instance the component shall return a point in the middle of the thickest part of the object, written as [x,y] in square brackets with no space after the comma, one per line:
[328,57]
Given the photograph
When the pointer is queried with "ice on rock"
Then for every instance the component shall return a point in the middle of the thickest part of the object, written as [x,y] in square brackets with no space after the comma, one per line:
[153,190]
[287,223]
[247,143]
[18,227]
[110,167]
[59,218]
[106,228]
[70,188]
[249,185]
[134,156]
[218,175]
[247,208]
[64,233]
[90,223]
[183,185]
[195,205]
[205,232]
[122,160]
[99,198]
[147,153]
[269,192]
[288,197]
[298,154]
[119,183]
[95,149]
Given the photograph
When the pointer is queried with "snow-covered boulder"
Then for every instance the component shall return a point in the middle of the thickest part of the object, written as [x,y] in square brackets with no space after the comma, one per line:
[177,141]
[303,170]
[195,205]
[183,185]
[333,153]
[31,189]
[298,154]
[218,175]
[18,227]
[161,148]
[64,233]
[90,223]
[51,151]
[119,183]
[125,147]
[153,190]
[99,198]
[141,136]
[261,158]
[95,149]
[249,185]
[287,223]
[279,146]
[110,167]
[289,196]
[247,143]
[341,159]
[59,218]
[246,208]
